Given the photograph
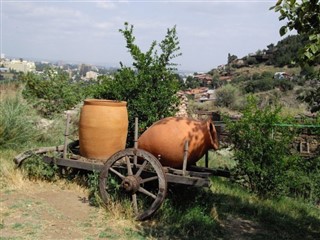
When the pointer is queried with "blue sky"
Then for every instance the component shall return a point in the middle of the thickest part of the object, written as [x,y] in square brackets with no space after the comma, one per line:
[87,31]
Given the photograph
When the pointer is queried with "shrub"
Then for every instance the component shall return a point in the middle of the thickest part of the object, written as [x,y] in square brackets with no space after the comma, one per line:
[35,168]
[227,96]
[284,84]
[53,92]
[259,85]
[261,149]
[17,127]
[150,86]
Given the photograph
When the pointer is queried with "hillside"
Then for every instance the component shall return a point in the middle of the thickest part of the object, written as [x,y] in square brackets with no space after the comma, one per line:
[272,74]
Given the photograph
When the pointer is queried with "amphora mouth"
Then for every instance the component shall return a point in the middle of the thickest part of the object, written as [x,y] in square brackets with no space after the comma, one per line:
[213,135]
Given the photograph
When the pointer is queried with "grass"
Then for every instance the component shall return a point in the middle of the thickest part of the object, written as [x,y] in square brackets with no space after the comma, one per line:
[281,217]
[17,123]
[266,68]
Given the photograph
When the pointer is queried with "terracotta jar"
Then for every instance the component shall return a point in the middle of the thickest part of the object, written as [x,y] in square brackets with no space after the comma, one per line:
[103,128]
[165,139]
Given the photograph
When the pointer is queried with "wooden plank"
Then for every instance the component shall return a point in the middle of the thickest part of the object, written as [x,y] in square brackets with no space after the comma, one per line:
[189,173]
[74,163]
[213,172]
[192,181]
[21,157]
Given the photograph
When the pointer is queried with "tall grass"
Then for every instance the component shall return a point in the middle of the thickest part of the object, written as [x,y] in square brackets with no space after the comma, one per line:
[17,128]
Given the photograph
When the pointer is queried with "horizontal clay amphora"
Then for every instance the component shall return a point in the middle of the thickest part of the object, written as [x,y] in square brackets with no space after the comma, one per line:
[103,128]
[165,139]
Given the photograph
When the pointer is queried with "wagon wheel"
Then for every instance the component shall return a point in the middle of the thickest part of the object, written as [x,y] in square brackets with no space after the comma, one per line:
[143,183]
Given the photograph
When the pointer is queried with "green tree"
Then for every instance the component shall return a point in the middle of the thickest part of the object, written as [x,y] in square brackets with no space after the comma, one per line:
[304,17]
[52,92]
[150,85]
[231,58]
[286,51]
[192,82]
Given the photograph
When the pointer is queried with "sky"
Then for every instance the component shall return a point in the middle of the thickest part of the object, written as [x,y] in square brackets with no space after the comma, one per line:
[88,31]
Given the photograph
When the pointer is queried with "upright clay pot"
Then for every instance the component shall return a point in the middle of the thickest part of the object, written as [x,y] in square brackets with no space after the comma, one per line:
[166,138]
[103,128]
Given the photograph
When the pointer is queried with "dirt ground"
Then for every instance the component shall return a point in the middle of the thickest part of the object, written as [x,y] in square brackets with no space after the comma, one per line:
[38,210]
[49,211]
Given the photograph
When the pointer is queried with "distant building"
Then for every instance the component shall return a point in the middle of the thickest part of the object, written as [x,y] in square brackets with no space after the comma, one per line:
[3,70]
[91,75]
[206,79]
[19,65]
[281,75]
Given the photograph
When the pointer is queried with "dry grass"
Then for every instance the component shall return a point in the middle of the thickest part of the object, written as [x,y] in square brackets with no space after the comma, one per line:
[265,68]
[9,89]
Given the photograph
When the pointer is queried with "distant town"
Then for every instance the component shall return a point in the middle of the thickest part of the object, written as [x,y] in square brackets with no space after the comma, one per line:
[10,68]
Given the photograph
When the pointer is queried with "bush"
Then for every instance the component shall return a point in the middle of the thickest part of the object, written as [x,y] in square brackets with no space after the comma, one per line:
[53,92]
[17,128]
[228,96]
[284,84]
[35,168]
[261,149]
[149,87]
[259,85]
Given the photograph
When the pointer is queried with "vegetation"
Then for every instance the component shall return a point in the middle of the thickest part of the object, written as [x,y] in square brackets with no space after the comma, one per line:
[53,92]
[285,53]
[229,96]
[304,18]
[265,162]
[150,86]
[17,127]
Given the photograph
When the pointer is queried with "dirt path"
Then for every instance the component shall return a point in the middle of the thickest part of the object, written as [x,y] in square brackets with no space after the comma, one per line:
[38,210]
[48,211]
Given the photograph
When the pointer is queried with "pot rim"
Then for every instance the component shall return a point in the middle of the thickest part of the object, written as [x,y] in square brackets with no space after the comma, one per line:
[105,102]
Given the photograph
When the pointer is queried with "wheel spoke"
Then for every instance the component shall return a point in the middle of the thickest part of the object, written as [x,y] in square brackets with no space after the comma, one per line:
[123,175]
[149,179]
[135,203]
[117,173]
[144,164]
[146,192]
[129,166]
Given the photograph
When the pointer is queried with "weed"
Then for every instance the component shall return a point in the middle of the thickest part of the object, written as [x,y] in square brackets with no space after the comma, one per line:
[17,127]
[132,234]
[36,168]
[2,225]
[17,226]
[93,184]
[107,234]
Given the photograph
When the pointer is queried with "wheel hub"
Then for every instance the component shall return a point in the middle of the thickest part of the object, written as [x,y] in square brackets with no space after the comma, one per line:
[131,183]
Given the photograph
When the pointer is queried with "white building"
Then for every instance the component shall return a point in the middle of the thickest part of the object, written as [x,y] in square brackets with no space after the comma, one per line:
[20,65]
[91,75]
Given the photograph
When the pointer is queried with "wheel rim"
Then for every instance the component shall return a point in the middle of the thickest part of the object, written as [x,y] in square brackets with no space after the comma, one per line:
[142,180]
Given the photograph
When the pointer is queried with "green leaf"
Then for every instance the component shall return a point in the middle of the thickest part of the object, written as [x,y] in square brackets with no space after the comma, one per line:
[314,49]
[308,55]
[283,30]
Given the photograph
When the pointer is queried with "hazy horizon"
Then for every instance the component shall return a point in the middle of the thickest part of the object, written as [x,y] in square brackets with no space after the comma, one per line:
[88,31]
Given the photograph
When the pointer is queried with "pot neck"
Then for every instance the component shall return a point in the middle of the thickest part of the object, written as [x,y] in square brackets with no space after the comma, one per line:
[213,137]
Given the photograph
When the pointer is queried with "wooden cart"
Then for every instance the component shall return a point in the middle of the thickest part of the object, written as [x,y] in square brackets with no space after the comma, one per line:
[132,174]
